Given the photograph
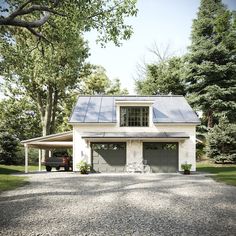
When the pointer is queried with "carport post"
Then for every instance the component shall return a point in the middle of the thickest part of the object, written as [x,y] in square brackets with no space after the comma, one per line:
[26,158]
[40,157]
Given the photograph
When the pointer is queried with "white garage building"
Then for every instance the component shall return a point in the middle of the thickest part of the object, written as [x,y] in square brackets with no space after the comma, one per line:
[110,132]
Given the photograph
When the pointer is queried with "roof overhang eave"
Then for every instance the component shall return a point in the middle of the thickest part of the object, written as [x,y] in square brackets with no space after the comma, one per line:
[135,136]
[91,123]
[120,139]
[48,137]
[176,123]
[47,145]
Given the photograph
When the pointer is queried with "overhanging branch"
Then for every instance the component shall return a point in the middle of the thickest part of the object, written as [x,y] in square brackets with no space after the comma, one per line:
[13,20]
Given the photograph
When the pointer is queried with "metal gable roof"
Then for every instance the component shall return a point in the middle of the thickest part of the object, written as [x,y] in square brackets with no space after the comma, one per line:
[101,109]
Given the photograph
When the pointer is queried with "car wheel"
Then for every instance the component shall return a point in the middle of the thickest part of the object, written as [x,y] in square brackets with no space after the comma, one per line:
[48,168]
[58,168]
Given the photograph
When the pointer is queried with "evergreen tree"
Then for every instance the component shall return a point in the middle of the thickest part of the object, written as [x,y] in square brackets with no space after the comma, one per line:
[211,75]
[221,141]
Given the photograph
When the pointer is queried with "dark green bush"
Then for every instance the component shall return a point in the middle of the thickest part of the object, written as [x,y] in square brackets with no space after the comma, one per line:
[33,156]
[9,146]
[221,141]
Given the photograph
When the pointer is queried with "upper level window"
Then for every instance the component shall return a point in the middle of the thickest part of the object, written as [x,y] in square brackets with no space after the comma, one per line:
[134,116]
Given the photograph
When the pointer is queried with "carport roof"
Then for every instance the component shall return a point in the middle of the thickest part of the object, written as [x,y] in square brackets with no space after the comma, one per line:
[51,141]
[127,135]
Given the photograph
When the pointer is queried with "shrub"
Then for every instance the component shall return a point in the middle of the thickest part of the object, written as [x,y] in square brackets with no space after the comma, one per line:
[186,166]
[83,167]
[200,151]
[221,141]
[33,156]
[8,148]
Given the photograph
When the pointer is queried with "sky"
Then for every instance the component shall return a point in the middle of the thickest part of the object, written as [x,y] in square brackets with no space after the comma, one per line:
[164,22]
[160,22]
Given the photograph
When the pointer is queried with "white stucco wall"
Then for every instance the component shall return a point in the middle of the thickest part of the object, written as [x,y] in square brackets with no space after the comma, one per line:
[81,147]
[134,151]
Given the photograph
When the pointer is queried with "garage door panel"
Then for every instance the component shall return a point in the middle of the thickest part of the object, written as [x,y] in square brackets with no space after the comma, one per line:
[161,157]
[108,157]
[112,157]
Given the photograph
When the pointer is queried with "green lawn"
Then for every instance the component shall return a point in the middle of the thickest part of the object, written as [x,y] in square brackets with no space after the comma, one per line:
[8,182]
[223,173]
[11,169]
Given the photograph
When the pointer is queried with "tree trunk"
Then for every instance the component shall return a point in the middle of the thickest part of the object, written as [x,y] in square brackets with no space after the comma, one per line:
[48,112]
[54,110]
[47,108]
[210,119]
[42,112]
[46,117]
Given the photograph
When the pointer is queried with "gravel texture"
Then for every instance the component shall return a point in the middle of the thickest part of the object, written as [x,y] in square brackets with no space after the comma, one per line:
[60,203]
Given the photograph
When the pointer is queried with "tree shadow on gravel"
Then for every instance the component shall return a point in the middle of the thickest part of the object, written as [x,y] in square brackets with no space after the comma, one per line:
[97,185]
[136,205]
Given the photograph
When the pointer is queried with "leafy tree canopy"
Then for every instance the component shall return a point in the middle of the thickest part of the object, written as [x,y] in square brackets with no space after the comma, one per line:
[40,17]
[46,75]
[162,78]
[49,75]
[19,117]
[116,89]
[97,82]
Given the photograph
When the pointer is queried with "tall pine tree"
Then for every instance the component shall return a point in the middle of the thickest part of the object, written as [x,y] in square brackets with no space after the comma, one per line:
[211,76]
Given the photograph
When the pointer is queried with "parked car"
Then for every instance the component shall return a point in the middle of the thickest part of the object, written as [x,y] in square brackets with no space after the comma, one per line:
[59,159]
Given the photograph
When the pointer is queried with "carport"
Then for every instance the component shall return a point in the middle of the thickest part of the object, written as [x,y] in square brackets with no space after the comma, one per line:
[49,142]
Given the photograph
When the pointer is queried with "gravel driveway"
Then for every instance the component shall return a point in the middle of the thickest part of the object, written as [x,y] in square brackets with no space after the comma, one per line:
[60,203]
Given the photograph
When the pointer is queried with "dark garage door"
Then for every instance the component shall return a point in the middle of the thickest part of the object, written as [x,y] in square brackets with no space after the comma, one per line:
[108,157]
[162,157]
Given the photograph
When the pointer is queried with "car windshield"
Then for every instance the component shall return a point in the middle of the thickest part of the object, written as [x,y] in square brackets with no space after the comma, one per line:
[59,154]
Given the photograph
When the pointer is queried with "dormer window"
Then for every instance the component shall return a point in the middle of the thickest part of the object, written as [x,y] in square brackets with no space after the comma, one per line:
[134,116]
